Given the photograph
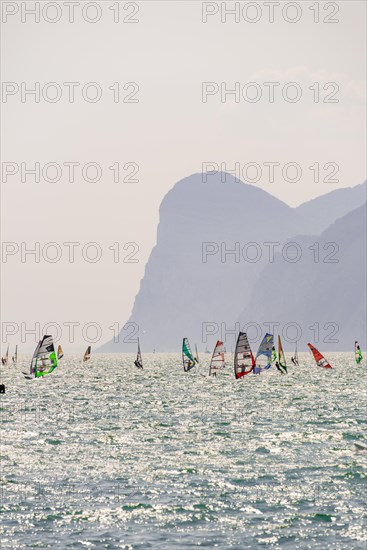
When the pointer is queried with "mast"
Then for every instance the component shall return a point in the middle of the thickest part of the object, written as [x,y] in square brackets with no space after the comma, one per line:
[281,357]
[138,361]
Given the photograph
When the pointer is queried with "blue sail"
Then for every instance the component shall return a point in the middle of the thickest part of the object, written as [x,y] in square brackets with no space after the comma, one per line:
[265,349]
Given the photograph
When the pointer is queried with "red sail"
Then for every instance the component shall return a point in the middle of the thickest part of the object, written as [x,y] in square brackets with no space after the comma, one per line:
[244,361]
[319,358]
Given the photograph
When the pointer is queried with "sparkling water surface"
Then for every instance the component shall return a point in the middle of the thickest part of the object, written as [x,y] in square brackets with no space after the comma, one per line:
[103,455]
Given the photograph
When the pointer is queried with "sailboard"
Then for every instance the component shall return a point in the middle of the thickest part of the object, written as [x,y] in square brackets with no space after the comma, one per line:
[217,361]
[60,353]
[265,350]
[188,360]
[5,359]
[294,359]
[319,358]
[358,353]
[87,354]
[196,354]
[44,360]
[244,361]
[138,361]
[15,356]
[282,363]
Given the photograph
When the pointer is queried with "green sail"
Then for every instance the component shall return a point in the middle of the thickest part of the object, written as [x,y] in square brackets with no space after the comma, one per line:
[188,360]
[44,357]
[358,353]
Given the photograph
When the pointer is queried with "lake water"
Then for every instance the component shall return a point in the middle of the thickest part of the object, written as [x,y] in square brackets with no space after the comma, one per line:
[107,456]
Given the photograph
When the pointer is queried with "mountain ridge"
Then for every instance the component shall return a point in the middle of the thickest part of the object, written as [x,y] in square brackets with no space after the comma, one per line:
[179,292]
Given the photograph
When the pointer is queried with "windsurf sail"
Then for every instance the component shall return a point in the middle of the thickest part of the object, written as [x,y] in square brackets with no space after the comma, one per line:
[15,356]
[217,362]
[358,353]
[295,357]
[319,358]
[188,360]
[87,354]
[138,361]
[60,353]
[44,360]
[281,357]
[196,354]
[266,350]
[5,359]
[34,358]
[244,361]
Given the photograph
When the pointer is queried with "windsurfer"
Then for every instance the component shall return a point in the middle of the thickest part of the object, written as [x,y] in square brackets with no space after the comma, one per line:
[278,367]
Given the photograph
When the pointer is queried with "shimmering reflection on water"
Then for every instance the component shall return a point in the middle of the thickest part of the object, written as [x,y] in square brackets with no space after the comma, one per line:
[106,456]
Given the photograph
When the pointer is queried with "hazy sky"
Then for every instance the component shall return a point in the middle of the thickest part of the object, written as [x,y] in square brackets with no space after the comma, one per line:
[168,133]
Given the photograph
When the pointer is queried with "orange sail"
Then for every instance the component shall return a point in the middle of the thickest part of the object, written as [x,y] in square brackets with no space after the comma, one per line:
[319,358]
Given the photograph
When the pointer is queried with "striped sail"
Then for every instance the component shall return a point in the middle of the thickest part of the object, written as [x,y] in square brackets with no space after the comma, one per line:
[319,358]
[217,361]
[244,361]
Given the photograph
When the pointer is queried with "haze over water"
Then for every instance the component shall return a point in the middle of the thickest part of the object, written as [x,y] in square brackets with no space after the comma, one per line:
[106,456]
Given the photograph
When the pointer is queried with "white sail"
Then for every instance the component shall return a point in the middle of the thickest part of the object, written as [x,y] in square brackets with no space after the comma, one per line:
[217,362]
[138,361]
